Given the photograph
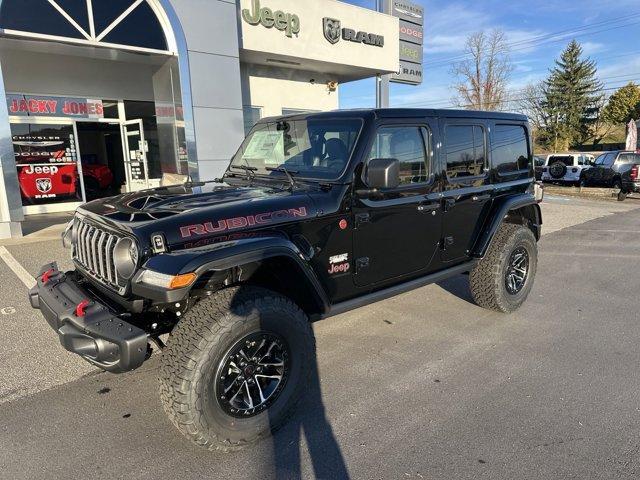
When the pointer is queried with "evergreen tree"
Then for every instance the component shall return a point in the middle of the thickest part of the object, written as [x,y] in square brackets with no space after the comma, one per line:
[623,105]
[572,95]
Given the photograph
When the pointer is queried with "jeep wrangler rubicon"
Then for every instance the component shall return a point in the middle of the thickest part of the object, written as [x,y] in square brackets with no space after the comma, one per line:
[317,214]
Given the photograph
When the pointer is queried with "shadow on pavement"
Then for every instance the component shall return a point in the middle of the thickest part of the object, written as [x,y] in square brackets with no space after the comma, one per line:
[458,286]
[309,422]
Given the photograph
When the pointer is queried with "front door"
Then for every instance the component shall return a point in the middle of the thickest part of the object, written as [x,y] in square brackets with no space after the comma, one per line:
[467,193]
[135,160]
[397,232]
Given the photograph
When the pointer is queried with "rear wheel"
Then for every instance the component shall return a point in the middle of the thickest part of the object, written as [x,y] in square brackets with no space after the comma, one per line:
[235,367]
[617,184]
[502,280]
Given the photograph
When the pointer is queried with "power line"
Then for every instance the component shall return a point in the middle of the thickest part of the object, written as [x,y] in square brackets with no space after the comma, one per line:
[507,101]
[546,39]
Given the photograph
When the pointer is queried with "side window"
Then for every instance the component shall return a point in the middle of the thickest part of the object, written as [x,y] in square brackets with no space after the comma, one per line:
[581,160]
[510,152]
[465,147]
[610,159]
[407,144]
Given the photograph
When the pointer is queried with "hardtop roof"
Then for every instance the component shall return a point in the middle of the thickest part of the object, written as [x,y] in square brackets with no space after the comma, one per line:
[401,113]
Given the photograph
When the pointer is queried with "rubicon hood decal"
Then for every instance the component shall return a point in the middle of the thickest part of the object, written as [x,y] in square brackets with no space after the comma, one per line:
[236,223]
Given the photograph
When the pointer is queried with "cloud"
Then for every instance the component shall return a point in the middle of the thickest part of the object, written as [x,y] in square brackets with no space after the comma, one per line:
[589,48]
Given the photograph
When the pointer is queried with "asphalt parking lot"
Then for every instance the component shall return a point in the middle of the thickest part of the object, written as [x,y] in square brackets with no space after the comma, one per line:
[424,385]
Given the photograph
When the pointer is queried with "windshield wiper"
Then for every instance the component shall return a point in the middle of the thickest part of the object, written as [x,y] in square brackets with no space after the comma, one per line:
[251,171]
[288,173]
[191,183]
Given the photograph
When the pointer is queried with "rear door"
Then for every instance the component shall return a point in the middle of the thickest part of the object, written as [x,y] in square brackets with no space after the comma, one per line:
[467,190]
[398,231]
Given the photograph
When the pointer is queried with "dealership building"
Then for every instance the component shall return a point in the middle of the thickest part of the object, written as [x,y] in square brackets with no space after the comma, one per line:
[110,96]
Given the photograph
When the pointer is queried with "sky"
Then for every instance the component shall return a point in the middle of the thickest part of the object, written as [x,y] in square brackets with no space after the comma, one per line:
[537,30]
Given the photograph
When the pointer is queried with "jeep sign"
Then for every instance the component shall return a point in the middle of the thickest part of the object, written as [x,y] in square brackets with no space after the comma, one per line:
[289,23]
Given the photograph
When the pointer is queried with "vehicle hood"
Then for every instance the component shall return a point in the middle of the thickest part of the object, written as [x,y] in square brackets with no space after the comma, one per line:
[187,213]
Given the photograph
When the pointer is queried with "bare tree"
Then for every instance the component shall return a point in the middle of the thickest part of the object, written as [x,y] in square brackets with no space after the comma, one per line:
[482,78]
[530,102]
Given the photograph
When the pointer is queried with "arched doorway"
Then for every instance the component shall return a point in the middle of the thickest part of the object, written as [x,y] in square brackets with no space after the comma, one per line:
[94,93]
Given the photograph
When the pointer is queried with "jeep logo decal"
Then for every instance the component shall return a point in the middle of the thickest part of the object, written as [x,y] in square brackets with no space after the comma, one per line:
[289,23]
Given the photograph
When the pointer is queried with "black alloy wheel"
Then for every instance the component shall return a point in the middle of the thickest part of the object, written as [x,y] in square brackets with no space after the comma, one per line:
[252,374]
[517,271]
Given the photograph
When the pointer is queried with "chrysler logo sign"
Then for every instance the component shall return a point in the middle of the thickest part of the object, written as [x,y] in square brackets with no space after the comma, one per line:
[333,31]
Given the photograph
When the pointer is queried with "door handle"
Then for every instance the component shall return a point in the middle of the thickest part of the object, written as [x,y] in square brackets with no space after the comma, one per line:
[481,198]
[428,207]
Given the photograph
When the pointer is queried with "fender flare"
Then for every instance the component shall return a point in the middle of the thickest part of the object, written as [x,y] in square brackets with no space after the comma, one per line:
[499,213]
[236,253]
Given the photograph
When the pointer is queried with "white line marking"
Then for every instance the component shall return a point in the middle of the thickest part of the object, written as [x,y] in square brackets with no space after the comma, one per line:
[24,276]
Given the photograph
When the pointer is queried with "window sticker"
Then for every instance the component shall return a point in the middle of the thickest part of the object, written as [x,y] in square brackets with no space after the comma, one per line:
[267,147]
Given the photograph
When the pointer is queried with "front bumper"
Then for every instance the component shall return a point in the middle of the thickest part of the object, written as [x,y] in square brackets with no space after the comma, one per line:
[97,334]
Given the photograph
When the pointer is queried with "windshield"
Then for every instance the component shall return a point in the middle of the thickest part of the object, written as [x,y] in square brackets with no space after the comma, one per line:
[318,149]
[605,159]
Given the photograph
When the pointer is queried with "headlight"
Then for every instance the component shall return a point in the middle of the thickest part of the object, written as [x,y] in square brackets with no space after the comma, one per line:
[125,257]
[69,236]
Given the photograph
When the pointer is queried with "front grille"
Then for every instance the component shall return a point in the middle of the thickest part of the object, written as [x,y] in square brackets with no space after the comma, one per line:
[93,251]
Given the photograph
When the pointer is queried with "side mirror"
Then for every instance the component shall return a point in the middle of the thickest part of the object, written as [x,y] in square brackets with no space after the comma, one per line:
[383,173]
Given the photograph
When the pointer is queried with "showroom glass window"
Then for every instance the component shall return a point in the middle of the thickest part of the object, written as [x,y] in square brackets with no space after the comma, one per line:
[47,163]
[119,22]
[409,146]
[465,150]
[510,149]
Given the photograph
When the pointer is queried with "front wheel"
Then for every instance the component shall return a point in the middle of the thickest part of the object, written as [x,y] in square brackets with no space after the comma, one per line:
[502,280]
[235,367]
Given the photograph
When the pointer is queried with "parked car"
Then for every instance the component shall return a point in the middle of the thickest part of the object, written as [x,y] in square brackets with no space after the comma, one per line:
[630,180]
[566,168]
[610,168]
[317,214]
[539,163]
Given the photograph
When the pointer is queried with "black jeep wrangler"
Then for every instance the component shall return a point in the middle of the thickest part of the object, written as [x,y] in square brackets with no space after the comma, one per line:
[316,215]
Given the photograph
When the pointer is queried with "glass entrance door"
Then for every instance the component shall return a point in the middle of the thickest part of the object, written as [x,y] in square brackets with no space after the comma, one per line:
[135,160]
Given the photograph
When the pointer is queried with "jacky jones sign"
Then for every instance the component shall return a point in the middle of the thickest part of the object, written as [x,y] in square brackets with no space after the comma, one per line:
[41,106]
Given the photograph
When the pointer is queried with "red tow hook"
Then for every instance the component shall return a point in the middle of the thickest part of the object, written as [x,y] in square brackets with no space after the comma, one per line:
[46,276]
[80,309]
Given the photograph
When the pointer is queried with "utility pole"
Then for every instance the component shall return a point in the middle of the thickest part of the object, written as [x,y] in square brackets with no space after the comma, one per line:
[382,81]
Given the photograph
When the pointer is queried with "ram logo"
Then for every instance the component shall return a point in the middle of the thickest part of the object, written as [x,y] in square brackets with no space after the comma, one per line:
[43,185]
[332,29]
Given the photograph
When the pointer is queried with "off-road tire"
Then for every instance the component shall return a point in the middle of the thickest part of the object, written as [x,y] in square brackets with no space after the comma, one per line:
[487,279]
[200,342]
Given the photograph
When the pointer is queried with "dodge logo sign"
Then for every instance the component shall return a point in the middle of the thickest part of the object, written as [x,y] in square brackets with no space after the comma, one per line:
[43,185]
[331,29]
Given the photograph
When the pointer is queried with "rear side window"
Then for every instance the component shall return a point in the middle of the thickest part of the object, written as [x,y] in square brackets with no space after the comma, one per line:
[629,158]
[406,144]
[465,146]
[566,159]
[510,152]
